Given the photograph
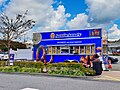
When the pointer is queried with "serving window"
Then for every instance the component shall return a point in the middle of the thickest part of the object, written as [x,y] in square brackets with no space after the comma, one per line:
[82,49]
[65,49]
[54,50]
[49,50]
[88,49]
[58,49]
[93,49]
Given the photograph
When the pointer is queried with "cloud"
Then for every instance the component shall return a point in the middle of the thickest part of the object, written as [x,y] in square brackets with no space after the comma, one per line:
[103,11]
[1,1]
[114,32]
[57,20]
[80,21]
[41,11]
[47,18]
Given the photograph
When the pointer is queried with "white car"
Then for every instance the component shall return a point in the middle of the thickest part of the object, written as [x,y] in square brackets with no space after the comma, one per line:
[3,55]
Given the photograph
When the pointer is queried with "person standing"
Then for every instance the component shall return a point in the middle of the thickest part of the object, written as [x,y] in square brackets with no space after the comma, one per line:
[97,65]
[101,59]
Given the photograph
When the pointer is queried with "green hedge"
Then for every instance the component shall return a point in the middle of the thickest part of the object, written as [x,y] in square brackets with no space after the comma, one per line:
[75,69]
[29,64]
[67,71]
[18,69]
[2,63]
[72,69]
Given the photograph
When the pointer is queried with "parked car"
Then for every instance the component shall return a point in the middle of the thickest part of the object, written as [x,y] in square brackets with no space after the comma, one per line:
[3,55]
[113,60]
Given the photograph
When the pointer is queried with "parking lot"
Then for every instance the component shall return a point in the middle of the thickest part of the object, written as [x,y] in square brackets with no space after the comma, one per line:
[116,66]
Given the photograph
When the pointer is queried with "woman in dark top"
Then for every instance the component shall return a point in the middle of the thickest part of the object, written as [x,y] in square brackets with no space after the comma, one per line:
[97,65]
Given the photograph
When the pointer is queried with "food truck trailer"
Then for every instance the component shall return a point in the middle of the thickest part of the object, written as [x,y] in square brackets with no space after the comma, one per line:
[60,46]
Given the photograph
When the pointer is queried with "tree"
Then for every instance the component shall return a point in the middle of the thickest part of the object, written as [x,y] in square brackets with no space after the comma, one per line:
[12,29]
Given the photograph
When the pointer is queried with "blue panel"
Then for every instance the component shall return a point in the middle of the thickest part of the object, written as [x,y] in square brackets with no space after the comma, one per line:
[97,41]
[34,52]
[11,56]
[72,34]
[74,37]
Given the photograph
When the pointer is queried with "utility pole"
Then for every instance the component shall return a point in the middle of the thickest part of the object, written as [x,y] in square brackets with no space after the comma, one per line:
[107,42]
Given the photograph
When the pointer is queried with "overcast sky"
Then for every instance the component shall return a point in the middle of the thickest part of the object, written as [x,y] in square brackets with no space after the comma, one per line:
[68,14]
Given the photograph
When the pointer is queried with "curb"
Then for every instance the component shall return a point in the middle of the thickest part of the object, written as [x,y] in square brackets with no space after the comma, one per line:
[50,75]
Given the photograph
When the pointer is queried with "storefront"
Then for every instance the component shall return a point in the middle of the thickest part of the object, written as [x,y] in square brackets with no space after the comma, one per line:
[60,46]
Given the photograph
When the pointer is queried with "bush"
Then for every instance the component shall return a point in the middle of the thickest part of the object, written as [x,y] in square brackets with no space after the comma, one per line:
[9,69]
[2,63]
[38,65]
[89,72]
[75,69]
[68,65]
[67,71]
[71,69]
[18,69]
[30,70]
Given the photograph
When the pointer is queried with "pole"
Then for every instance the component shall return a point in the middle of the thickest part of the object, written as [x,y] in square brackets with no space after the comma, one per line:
[24,38]
[107,42]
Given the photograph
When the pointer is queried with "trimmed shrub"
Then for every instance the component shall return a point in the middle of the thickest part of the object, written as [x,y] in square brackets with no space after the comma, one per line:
[30,70]
[18,69]
[68,65]
[2,63]
[29,64]
[67,71]
[75,69]
[71,69]
[9,69]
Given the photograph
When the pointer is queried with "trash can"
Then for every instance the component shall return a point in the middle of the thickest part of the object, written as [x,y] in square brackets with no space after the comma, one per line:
[97,66]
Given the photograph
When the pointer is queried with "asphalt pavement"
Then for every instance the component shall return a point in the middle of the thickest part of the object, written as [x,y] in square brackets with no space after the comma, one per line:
[116,66]
[34,82]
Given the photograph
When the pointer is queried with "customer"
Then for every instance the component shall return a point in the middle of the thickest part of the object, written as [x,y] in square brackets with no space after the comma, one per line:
[101,59]
[83,60]
[97,65]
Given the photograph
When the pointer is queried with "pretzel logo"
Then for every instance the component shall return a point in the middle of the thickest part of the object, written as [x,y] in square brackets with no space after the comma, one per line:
[52,35]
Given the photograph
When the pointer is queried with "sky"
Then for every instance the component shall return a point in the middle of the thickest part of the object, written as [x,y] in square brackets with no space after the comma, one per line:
[52,15]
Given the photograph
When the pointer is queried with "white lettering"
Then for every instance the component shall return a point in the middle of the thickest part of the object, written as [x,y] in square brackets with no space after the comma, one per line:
[67,35]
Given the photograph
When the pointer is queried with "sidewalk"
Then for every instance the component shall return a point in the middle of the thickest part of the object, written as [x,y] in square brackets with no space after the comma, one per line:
[109,75]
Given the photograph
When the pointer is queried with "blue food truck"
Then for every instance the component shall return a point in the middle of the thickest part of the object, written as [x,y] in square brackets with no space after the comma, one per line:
[60,46]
